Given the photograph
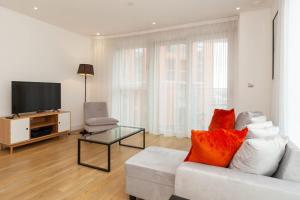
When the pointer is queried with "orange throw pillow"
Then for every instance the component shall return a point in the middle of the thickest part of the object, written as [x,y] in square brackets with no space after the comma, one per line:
[222,119]
[215,147]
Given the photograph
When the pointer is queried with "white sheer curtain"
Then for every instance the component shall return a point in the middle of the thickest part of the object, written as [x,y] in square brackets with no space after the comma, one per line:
[191,80]
[170,82]
[129,90]
[288,93]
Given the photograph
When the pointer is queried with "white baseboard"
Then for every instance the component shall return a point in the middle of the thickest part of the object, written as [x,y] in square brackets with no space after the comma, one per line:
[76,127]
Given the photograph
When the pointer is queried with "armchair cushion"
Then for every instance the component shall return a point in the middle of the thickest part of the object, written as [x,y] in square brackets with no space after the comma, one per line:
[100,121]
[97,129]
[95,109]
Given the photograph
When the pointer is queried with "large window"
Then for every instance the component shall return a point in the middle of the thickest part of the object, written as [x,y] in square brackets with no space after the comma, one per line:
[220,83]
[191,80]
[172,104]
[130,86]
[171,84]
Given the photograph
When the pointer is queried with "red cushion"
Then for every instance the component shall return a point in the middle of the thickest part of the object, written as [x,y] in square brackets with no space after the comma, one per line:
[222,119]
[215,147]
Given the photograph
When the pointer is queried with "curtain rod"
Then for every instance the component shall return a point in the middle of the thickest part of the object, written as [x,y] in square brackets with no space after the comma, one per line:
[189,25]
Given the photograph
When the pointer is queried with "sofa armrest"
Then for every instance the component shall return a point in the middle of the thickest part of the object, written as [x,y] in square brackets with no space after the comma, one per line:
[198,181]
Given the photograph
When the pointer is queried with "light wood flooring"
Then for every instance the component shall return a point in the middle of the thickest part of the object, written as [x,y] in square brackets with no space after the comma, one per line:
[48,170]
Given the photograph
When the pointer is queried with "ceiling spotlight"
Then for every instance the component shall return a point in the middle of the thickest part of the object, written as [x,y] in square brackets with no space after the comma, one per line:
[238,8]
[35,8]
[98,34]
[153,23]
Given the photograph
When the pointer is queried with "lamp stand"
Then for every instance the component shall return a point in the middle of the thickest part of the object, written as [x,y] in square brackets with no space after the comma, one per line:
[84,87]
[84,132]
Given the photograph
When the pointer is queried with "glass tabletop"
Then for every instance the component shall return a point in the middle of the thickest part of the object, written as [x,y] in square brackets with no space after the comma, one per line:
[112,135]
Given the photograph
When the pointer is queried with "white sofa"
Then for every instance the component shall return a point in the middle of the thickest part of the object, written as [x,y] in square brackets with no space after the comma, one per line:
[156,173]
[150,174]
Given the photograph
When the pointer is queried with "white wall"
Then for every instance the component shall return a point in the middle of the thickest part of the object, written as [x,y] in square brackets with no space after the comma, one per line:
[276,99]
[31,50]
[255,61]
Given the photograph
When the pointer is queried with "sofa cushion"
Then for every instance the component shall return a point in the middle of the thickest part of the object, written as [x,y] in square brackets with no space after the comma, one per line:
[289,168]
[222,119]
[202,182]
[99,121]
[155,164]
[259,119]
[263,132]
[265,124]
[245,118]
[215,147]
[260,155]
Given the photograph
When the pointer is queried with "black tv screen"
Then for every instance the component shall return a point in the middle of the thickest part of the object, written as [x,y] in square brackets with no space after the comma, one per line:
[35,96]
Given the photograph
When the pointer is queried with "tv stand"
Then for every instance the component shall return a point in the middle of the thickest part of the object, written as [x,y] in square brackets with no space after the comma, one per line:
[17,132]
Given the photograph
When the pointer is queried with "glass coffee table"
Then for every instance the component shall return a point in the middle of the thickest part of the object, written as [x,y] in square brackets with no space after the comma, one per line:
[108,138]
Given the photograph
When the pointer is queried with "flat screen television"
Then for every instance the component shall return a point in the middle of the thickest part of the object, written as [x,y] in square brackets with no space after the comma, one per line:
[35,96]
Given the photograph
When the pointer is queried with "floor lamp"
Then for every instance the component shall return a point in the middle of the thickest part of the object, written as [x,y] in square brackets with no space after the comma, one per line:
[85,70]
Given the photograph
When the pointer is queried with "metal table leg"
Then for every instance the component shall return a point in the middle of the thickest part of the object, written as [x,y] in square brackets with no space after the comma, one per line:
[137,147]
[93,166]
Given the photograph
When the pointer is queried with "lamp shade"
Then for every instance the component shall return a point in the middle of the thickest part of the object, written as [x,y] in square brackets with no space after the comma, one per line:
[86,69]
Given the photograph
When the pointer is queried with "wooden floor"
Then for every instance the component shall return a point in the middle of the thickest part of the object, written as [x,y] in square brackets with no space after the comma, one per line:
[49,170]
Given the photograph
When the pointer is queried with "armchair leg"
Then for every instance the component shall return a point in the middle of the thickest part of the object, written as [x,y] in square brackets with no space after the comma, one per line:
[84,132]
[132,197]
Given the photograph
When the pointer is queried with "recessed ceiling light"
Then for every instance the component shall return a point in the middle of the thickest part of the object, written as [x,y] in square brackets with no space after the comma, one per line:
[153,23]
[98,34]
[35,8]
[237,8]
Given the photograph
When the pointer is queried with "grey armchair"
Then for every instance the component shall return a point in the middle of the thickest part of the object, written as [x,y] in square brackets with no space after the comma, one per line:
[96,117]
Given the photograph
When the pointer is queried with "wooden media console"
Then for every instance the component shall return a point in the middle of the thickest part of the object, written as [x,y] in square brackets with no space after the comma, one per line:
[32,128]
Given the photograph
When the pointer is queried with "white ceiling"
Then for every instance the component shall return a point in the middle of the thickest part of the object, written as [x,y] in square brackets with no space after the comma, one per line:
[110,17]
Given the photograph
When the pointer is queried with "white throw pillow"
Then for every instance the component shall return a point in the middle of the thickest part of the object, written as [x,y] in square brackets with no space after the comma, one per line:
[244,118]
[259,156]
[263,132]
[258,119]
[265,124]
